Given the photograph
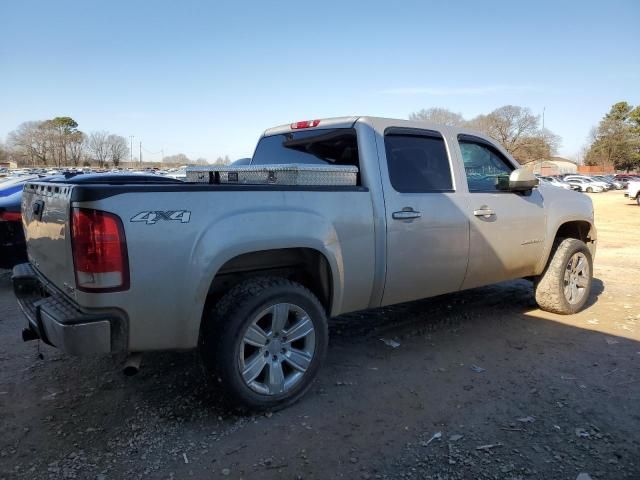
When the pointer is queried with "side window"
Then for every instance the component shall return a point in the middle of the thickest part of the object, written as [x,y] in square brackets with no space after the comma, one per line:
[486,168]
[418,164]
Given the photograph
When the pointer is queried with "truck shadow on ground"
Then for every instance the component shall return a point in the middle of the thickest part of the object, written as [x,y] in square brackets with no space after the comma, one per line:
[178,377]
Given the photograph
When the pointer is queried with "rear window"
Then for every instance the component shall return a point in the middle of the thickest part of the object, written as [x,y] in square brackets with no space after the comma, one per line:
[315,147]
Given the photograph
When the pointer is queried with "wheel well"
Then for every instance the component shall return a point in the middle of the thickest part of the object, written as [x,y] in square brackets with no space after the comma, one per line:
[578,229]
[306,266]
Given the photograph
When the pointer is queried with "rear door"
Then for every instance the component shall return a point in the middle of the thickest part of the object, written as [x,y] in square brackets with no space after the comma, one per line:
[507,229]
[427,228]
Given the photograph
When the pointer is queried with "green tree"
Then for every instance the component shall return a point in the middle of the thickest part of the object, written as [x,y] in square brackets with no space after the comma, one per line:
[615,142]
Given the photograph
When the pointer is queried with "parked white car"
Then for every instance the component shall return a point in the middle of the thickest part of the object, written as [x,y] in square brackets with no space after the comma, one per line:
[601,184]
[633,191]
[585,184]
[555,182]
[609,179]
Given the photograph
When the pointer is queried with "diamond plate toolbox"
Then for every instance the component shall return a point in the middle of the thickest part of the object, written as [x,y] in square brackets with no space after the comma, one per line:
[284,174]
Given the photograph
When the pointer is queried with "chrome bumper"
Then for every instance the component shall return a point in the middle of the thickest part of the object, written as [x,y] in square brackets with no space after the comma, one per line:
[56,320]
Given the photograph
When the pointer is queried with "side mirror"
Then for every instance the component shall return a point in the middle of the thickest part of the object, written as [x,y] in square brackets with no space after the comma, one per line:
[522,180]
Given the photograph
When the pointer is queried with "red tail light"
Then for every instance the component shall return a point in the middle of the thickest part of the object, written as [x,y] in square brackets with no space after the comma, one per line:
[99,251]
[305,124]
[10,217]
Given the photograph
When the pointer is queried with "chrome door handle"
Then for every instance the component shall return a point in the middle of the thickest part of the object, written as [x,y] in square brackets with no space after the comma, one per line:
[484,211]
[406,215]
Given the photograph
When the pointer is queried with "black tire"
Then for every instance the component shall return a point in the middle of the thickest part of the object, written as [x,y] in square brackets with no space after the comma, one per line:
[224,328]
[589,190]
[549,287]
[638,200]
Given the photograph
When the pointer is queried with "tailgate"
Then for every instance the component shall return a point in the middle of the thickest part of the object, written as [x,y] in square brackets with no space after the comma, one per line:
[45,213]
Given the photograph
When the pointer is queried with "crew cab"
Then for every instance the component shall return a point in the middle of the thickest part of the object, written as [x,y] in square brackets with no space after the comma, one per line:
[249,274]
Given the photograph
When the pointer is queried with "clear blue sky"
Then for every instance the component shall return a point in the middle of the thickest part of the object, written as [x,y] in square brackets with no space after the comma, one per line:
[206,78]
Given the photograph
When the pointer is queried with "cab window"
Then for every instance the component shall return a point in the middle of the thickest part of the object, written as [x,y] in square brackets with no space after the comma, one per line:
[418,163]
[486,168]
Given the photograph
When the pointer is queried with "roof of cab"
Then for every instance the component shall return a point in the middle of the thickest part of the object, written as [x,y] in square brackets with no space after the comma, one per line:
[382,123]
[336,122]
[348,122]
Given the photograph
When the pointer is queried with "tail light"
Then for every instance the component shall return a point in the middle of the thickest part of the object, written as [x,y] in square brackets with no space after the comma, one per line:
[99,251]
[10,217]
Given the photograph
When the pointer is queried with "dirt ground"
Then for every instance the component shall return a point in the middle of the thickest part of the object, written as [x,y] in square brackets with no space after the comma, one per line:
[483,385]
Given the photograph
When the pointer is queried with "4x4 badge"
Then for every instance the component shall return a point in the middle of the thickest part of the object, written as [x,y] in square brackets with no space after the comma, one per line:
[151,217]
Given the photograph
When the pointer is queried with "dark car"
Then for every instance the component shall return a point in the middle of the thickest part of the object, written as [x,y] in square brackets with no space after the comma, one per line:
[625,178]
[13,248]
[12,244]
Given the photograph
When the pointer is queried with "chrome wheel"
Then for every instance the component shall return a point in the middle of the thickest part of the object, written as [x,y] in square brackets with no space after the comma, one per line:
[277,349]
[576,278]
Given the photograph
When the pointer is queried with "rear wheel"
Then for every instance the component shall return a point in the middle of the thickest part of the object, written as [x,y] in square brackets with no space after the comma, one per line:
[264,342]
[589,190]
[638,200]
[565,284]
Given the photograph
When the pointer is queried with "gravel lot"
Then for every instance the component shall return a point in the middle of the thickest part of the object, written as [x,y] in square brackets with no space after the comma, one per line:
[483,385]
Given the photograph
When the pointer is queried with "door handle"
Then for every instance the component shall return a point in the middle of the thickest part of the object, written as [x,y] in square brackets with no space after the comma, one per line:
[484,211]
[407,214]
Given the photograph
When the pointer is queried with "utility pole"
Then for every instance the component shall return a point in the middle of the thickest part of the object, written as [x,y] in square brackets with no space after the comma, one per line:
[131,149]
[162,155]
[140,153]
[547,154]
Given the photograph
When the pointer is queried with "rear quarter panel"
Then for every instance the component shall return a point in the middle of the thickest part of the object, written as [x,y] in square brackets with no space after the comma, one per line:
[172,264]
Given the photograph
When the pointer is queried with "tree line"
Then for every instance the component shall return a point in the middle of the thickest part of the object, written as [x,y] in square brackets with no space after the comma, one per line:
[516,128]
[614,144]
[58,142]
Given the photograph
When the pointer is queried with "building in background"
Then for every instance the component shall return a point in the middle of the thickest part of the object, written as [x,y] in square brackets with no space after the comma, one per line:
[553,166]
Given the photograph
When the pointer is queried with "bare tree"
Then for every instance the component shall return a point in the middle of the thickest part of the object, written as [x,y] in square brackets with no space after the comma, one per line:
[179,158]
[76,147]
[41,142]
[99,147]
[4,153]
[512,126]
[516,128]
[31,142]
[438,115]
[117,148]
[222,160]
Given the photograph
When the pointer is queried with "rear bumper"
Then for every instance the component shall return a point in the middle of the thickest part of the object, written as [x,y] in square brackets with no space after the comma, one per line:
[58,321]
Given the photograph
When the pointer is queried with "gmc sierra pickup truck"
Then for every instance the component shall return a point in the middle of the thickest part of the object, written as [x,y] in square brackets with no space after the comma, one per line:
[249,274]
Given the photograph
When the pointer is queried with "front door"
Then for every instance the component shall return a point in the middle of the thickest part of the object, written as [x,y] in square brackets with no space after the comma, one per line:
[427,227]
[507,229]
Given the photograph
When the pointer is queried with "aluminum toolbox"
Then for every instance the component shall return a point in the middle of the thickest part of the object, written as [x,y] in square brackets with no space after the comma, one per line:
[201,174]
[285,174]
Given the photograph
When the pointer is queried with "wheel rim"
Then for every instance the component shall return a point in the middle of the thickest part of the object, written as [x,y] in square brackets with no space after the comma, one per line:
[576,278]
[277,349]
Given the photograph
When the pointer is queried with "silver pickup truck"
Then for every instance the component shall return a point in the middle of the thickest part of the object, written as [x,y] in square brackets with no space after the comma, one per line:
[249,274]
